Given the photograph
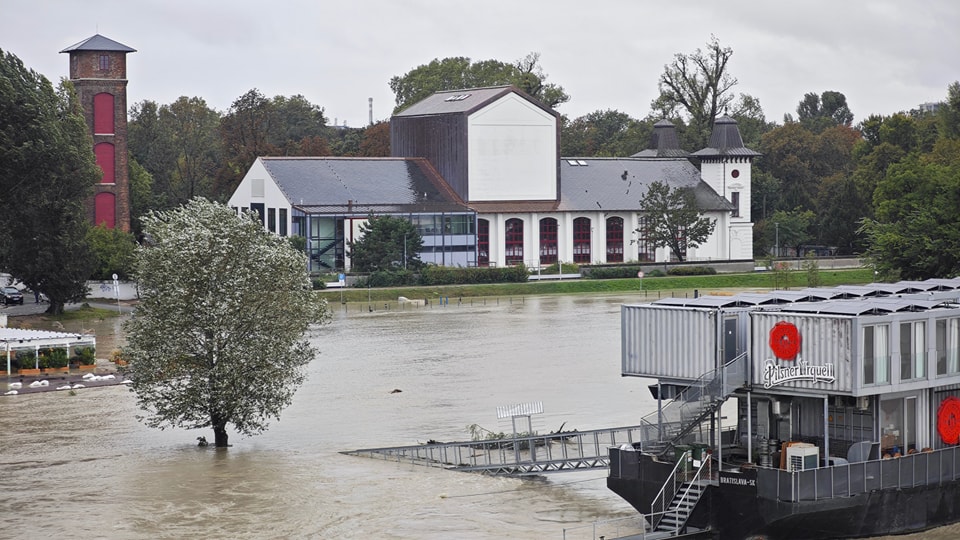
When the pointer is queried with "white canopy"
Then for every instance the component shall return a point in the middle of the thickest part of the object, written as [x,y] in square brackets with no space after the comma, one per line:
[28,338]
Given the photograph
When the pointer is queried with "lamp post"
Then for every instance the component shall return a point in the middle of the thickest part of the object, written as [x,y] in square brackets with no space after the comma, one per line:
[776,253]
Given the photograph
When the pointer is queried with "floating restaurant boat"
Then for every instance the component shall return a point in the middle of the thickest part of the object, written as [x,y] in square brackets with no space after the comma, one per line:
[816,413]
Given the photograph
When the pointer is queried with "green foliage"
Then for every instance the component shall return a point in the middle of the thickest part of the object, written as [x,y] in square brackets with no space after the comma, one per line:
[318,284]
[916,233]
[455,275]
[85,356]
[219,336]
[604,133]
[113,251]
[386,243]
[792,229]
[812,269]
[692,271]
[613,272]
[47,171]
[25,359]
[389,278]
[829,109]
[673,219]
[53,358]
[298,243]
[561,268]
[460,73]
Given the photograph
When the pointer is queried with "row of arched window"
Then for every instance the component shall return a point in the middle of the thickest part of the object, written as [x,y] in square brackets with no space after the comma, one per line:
[582,254]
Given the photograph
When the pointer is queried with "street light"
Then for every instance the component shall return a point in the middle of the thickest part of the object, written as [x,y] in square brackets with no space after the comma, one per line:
[777,252]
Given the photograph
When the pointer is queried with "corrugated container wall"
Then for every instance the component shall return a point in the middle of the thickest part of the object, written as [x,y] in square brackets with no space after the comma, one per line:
[824,340]
[667,342]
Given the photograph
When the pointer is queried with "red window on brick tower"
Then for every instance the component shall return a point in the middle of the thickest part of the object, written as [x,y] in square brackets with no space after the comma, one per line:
[105,210]
[104,153]
[103,113]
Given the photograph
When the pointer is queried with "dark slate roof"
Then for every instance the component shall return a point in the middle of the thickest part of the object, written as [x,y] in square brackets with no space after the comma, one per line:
[725,141]
[465,101]
[331,185]
[663,142]
[618,184]
[97,42]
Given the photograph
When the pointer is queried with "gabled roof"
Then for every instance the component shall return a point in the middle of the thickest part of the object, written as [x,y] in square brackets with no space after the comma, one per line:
[465,101]
[362,185]
[618,184]
[97,42]
[725,140]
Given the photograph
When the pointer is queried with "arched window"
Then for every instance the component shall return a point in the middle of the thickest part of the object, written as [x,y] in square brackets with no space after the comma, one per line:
[104,153]
[105,210]
[513,240]
[615,239]
[581,240]
[645,249]
[548,241]
[483,242]
[103,113]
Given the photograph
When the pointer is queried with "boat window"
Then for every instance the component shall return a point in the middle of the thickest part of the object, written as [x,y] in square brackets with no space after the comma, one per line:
[913,357]
[876,354]
[948,346]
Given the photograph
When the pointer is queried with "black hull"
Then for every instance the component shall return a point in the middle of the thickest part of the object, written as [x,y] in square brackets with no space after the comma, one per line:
[735,512]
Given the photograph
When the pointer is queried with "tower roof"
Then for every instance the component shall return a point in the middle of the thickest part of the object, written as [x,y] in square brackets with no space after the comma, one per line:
[97,42]
[725,141]
[663,142]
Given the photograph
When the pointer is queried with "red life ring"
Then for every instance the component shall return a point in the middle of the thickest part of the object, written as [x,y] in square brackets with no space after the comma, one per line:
[785,340]
[948,420]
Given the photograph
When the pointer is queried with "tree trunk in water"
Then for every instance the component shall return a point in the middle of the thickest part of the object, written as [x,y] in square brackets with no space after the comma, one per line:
[220,436]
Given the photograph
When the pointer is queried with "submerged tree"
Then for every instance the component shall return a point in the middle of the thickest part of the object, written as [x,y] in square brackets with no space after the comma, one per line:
[673,219]
[219,336]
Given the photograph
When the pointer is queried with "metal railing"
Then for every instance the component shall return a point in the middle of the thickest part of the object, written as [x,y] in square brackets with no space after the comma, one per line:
[525,455]
[663,503]
[912,470]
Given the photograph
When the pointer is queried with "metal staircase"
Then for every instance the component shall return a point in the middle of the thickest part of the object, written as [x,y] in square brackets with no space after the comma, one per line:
[679,495]
[692,407]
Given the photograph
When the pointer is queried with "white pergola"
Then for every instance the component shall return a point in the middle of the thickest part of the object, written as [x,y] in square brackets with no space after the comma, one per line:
[12,339]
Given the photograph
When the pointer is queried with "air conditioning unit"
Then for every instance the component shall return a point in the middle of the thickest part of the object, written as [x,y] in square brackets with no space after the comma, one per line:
[803,457]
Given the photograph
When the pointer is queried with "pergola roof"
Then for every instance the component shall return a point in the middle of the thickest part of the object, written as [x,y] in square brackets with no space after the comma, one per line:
[28,338]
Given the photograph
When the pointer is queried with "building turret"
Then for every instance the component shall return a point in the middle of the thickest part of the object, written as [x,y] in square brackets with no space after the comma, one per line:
[726,167]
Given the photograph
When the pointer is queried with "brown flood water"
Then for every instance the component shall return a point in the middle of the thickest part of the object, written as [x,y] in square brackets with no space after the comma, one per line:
[82,466]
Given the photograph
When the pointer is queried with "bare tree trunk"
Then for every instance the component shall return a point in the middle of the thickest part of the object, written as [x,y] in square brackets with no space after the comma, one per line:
[220,435]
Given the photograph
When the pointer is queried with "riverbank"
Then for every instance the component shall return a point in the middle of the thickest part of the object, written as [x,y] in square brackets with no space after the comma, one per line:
[104,373]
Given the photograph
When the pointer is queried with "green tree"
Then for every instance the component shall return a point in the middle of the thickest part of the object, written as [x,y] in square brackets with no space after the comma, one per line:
[386,243]
[916,232]
[460,72]
[193,127]
[699,85]
[829,109]
[604,133]
[113,252]
[790,229]
[219,336]
[673,219]
[47,171]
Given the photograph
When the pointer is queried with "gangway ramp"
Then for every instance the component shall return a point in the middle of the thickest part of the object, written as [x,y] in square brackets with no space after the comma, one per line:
[516,456]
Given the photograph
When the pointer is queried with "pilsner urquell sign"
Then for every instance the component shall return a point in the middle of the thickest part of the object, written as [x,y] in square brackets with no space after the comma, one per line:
[785,343]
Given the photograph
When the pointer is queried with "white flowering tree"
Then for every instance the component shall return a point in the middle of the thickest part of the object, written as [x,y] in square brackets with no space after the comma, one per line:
[219,336]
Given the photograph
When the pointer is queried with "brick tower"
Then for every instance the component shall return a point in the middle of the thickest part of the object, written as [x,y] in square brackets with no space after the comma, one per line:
[98,71]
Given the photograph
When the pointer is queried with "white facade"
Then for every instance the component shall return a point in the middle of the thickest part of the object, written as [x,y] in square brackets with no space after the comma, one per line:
[730,177]
[258,188]
[712,250]
[512,152]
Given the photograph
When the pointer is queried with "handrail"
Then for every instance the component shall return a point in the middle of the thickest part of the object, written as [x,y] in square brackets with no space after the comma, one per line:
[686,492]
[661,496]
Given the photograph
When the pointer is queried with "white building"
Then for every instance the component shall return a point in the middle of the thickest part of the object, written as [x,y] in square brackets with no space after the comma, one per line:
[496,192]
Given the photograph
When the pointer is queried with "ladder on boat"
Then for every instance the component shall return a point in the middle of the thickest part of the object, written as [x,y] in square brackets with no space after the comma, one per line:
[518,456]
[680,494]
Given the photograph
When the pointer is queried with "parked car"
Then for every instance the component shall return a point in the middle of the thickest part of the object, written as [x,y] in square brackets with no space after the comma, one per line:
[11,295]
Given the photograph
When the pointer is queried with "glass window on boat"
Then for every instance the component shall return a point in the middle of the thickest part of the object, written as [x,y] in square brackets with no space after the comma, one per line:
[913,350]
[898,426]
[948,346]
[876,354]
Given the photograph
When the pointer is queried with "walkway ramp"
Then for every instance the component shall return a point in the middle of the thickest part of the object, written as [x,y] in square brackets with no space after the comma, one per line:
[519,456]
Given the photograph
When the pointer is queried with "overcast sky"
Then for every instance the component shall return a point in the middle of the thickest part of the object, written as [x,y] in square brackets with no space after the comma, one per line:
[884,55]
